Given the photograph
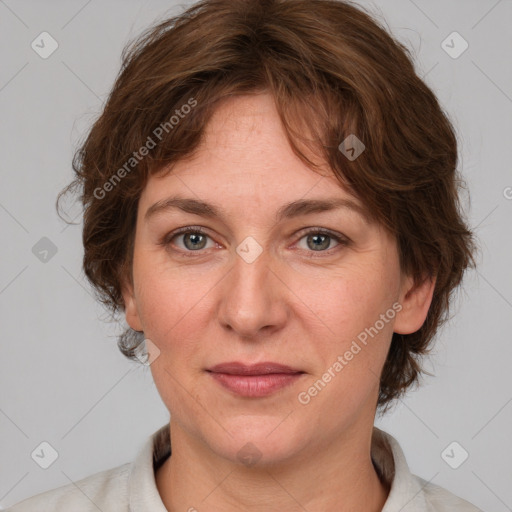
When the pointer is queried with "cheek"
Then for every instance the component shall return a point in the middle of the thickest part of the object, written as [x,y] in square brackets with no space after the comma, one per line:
[349,360]
[171,304]
[173,310]
[357,342]
[354,301]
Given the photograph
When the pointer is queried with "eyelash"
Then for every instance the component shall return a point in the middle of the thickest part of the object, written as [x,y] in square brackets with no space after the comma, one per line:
[342,241]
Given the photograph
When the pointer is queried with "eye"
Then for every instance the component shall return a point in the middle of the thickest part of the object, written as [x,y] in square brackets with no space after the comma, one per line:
[319,240]
[193,239]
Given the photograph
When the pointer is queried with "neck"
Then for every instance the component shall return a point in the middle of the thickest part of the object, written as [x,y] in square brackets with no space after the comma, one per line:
[340,477]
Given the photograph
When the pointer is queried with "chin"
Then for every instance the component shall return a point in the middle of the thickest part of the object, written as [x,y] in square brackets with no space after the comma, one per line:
[259,440]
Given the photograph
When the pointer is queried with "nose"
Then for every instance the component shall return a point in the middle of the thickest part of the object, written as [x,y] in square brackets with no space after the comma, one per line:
[253,300]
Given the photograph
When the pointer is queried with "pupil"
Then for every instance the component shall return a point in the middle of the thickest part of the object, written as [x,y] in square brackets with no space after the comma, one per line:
[323,245]
[194,238]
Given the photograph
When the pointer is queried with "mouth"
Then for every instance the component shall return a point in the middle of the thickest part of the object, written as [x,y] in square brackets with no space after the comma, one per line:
[265,368]
[256,380]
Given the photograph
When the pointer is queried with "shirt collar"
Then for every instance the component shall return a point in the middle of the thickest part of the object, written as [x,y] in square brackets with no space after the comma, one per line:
[406,493]
[143,492]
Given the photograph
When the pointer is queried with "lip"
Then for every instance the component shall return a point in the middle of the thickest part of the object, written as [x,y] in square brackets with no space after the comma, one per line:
[256,380]
[264,368]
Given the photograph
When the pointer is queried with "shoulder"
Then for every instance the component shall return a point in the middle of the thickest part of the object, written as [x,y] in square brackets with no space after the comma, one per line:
[130,486]
[441,500]
[106,490]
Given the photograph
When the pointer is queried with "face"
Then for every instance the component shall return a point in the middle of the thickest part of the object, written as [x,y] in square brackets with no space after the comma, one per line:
[316,289]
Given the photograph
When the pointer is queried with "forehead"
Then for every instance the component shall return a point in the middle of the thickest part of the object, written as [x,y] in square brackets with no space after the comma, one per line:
[245,160]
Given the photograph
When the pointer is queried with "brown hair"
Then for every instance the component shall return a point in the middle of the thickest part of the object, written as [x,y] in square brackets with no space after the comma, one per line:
[333,71]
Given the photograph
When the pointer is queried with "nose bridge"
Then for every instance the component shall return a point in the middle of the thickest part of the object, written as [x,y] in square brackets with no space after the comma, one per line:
[251,299]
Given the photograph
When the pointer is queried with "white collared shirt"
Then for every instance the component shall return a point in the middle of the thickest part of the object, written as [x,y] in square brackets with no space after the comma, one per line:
[132,487]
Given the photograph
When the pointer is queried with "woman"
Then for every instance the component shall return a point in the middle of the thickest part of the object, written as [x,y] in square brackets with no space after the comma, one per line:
[270,197]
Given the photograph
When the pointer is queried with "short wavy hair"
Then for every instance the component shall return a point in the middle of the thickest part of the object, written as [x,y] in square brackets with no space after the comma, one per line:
[333,71]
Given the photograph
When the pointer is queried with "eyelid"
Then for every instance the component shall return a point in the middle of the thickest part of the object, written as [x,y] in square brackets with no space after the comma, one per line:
[324,231]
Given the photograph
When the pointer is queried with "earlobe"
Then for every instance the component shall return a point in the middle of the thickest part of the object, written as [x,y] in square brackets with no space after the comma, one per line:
[415,299]
[130,307]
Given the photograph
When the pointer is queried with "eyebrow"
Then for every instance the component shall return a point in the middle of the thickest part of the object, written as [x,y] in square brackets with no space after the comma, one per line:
[288,211]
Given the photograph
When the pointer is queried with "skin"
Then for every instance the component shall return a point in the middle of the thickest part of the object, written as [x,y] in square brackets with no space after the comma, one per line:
[295,304]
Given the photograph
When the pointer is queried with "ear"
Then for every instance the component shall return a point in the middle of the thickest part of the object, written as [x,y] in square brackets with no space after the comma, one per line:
[130,305]
[415,299]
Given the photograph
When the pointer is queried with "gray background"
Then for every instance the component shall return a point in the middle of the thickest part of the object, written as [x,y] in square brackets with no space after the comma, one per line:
[62,378]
